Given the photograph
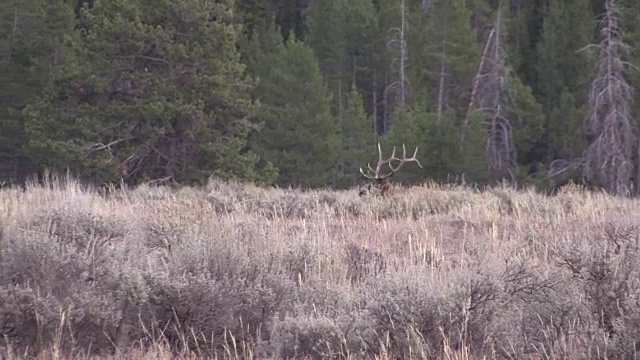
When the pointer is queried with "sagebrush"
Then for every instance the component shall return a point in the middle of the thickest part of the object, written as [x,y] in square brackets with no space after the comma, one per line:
[238,271]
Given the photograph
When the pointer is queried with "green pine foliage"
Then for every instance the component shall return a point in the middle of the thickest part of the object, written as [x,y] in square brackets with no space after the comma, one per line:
[474,165]
[252,14]
[562,73]
[345,37]
[299,135]
[565,127]
[326,36]
[524,23]
[445,57]
[358,139]
[526,115]
[437,140]
[148,90]
[363,43]
[32,39]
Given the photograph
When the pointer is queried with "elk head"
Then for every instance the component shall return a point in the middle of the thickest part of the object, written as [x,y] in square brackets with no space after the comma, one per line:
[380,180]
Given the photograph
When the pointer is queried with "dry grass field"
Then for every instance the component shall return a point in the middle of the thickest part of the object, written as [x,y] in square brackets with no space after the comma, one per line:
[235,271]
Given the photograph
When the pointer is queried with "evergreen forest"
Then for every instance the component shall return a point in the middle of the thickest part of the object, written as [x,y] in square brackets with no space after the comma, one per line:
[298,92]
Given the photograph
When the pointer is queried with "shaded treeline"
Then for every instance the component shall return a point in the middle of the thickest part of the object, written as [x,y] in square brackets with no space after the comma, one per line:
[297,92]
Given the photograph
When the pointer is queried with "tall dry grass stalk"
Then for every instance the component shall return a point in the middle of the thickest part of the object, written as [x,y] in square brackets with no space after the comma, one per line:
[236,271]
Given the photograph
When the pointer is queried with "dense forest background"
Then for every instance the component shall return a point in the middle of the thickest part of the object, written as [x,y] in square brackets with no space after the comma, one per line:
[298,92]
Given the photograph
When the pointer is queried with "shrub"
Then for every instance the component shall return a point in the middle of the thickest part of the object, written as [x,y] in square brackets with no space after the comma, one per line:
[235,271]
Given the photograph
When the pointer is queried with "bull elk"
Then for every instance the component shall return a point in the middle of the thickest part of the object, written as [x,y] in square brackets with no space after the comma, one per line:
[379,179]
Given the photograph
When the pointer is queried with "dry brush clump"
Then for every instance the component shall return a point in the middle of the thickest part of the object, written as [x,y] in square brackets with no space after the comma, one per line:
[236,271]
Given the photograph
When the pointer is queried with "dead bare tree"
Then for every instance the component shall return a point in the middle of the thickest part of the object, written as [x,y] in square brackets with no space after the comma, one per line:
[490,95]
[398,45]
[443,75]
[483,69]
[374,102]
[379,179]
[425,4]
[15,30]
[608,158]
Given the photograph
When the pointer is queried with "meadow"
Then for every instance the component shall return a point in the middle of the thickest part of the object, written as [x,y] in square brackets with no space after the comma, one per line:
[233,271]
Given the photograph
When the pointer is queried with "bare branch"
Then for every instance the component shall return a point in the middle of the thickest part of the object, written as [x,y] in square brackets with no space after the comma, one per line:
[143,57]
[101,147]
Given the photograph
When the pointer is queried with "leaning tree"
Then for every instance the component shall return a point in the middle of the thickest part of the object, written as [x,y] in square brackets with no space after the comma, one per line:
[491,95]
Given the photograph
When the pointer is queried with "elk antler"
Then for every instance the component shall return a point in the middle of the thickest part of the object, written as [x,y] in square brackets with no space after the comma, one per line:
[375,174]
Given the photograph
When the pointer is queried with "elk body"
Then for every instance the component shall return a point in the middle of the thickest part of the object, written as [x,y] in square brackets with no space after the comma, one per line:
[380,179]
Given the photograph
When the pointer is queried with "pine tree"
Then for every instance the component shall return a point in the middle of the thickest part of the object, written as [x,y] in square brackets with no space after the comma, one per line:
[481,16]
[148,90]
[407,129]
[358,138]
[299,135]
[326,36]
[31,42]
[252,14]
[289,16]
[474,163]
[445,57]
[363,45]
[345,37]
[562,74]
[527,118]
[524,28]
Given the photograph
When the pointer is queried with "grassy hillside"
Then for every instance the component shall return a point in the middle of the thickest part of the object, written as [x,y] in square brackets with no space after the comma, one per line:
[235,271]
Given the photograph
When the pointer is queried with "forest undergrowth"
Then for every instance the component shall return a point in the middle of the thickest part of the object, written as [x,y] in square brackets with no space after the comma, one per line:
[233,271]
